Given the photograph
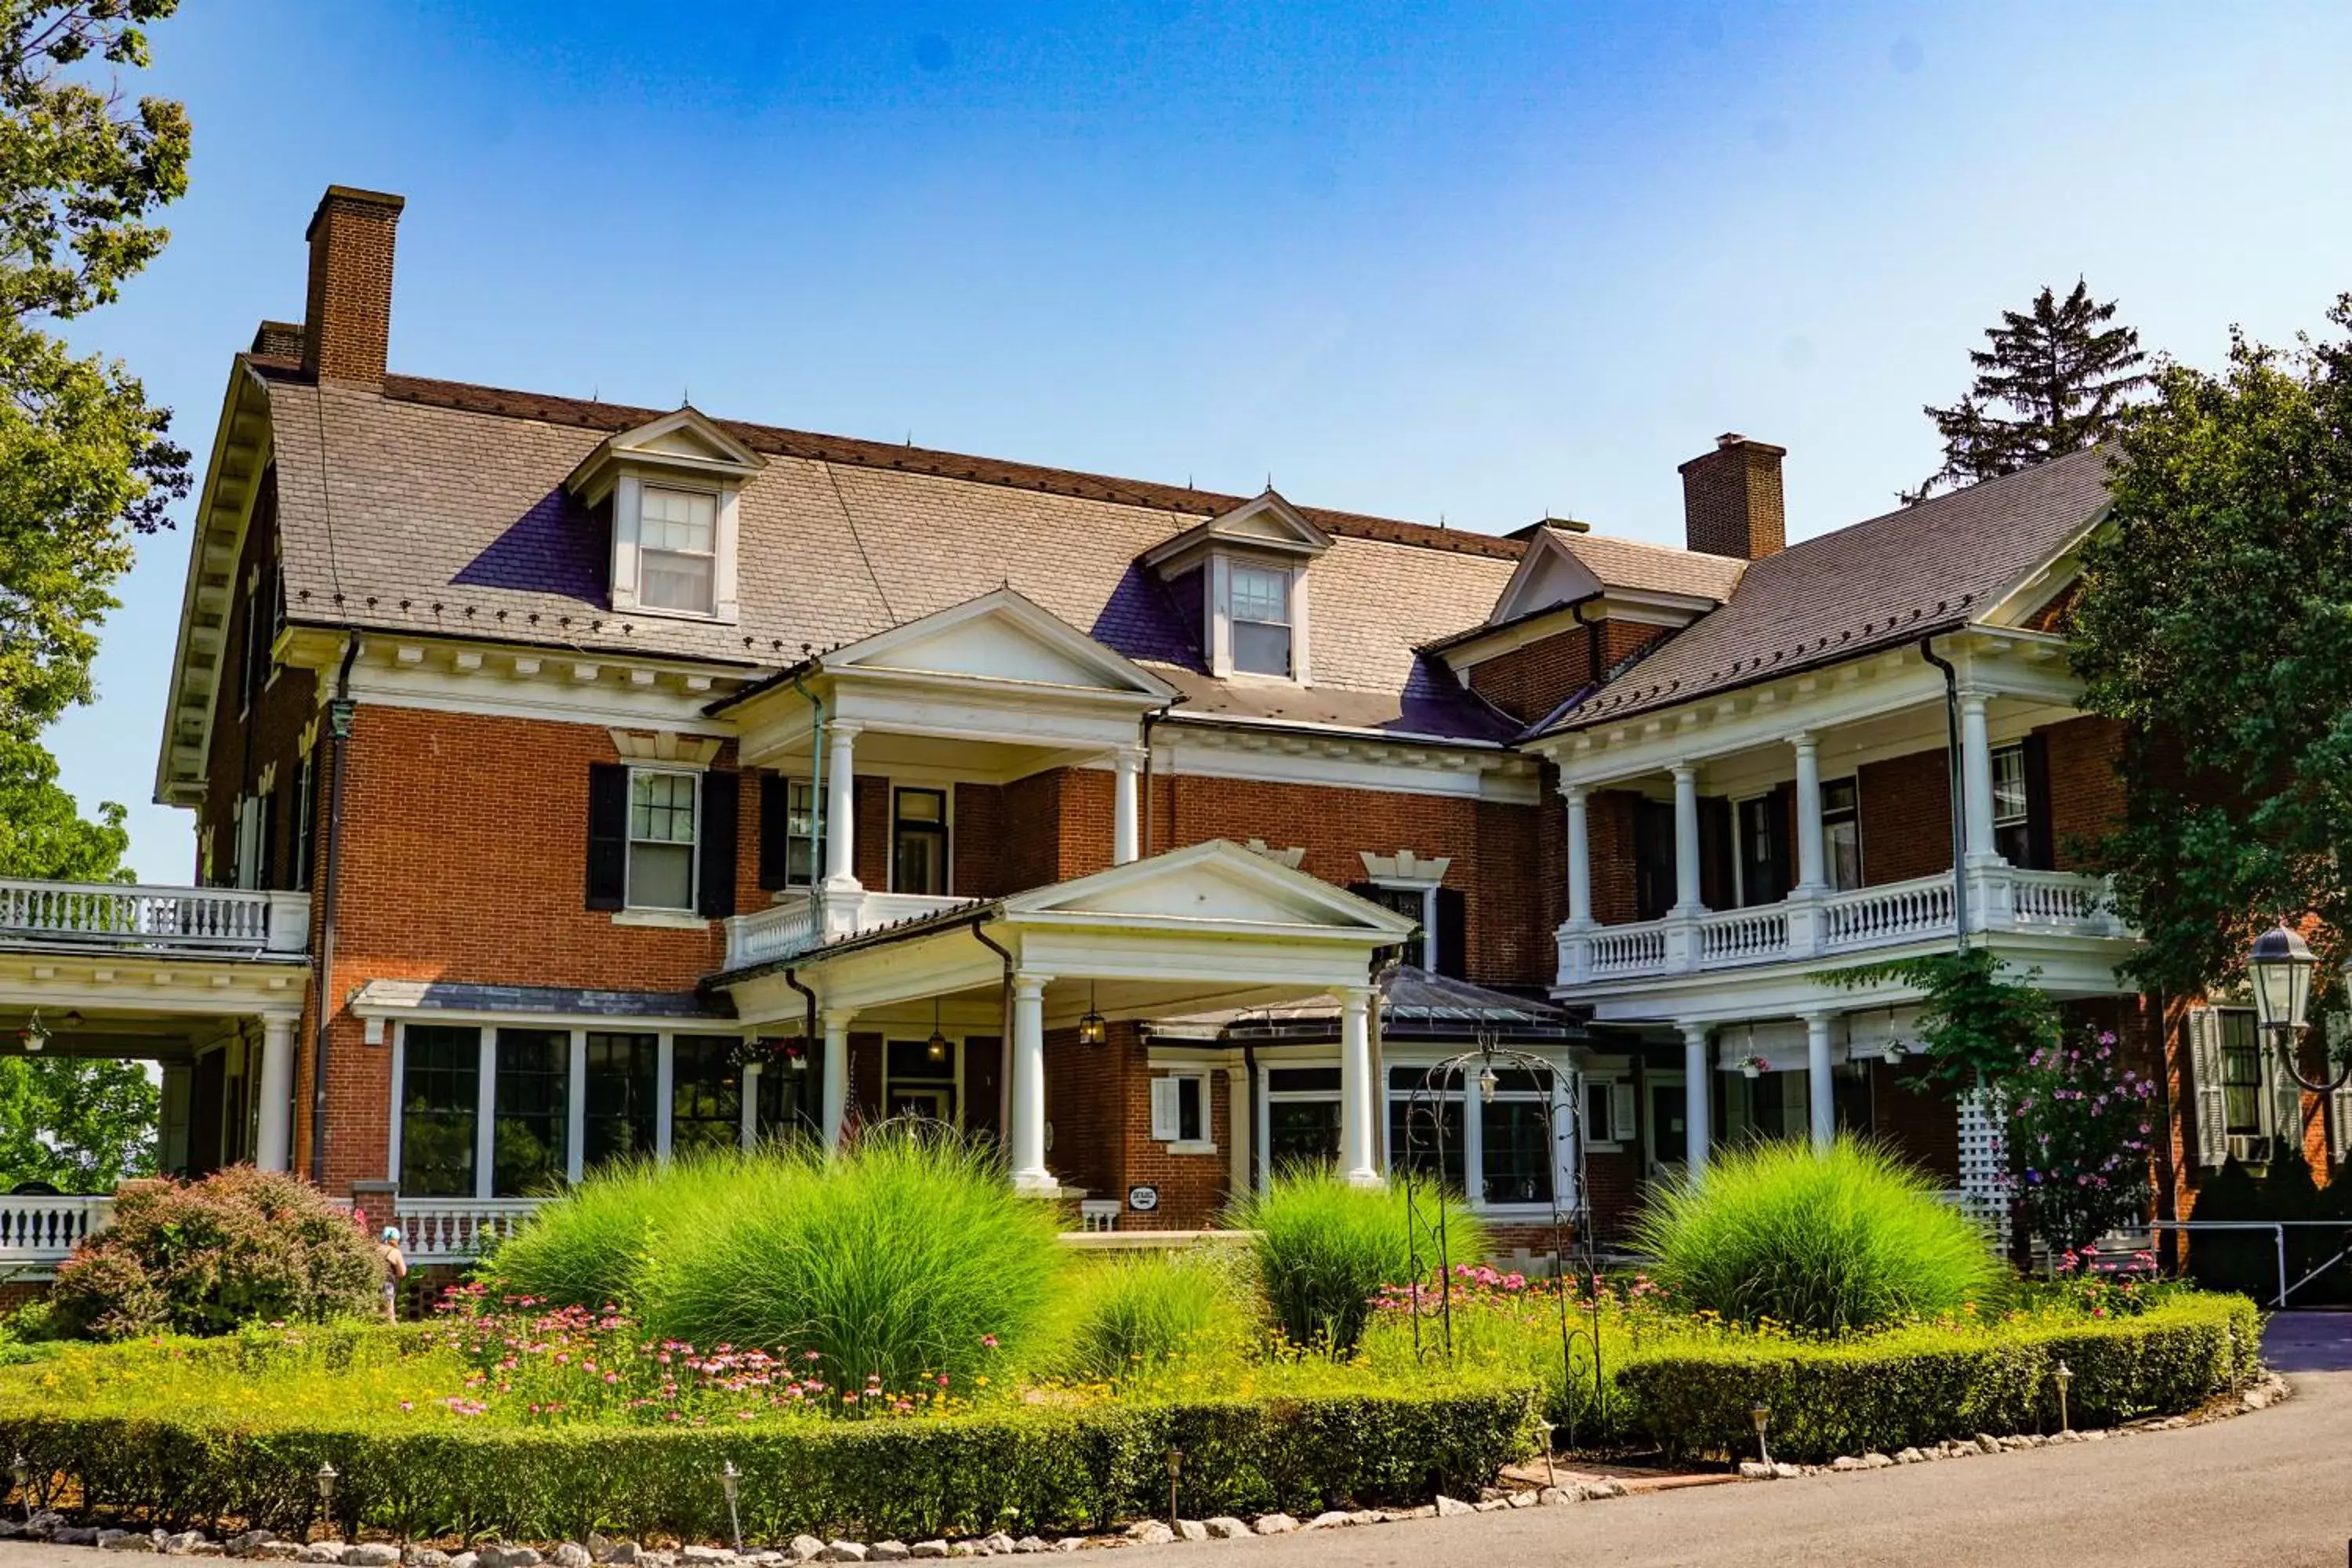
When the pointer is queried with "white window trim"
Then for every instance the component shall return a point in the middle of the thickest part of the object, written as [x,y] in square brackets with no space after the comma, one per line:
[685,917]
[1205,1144]
[895,783]
[1428,891]
[1217,618]
[1620,1098]
[629,533]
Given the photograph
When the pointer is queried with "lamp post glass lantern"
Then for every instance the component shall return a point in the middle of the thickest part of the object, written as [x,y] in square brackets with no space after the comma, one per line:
[2062,1374]
[1759,1415]
[2278,971]
[729,1478]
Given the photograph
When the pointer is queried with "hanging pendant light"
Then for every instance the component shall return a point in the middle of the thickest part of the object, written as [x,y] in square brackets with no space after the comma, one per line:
[936,1047]
[1094,1029]
[1488,1081]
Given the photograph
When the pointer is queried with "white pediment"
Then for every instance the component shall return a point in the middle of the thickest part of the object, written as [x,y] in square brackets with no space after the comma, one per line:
[1264,521]
[685,441]
[1549,575]
[1217,883]
[1001,636]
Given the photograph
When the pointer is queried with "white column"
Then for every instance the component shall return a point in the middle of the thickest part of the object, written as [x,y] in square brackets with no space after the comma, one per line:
[841,807]
[1820,1103]
[1239,1125]
[751,1097]
[486,1120]
[575,1121]
[1027,1079]
[837,1075]
[1698,1071]
[1579,857]
[1127,816]
[1812,869]
[1686,879]
[665,1093]
[1975,777]
[273,1143]
[1359,1094]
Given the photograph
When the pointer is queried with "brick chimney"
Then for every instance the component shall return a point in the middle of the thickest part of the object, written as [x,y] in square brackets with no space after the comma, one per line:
[348,318]
[1732,499]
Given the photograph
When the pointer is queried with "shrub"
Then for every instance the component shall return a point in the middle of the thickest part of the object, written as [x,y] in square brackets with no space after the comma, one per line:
[241,1245]
[1848,1240]
[902,1260]
[590,1248]
[1325,1247]
[1129,1318]
[1923,1385]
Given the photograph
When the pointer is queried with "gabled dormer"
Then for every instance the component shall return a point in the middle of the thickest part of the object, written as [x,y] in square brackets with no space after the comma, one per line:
[1246,571]
[673,484]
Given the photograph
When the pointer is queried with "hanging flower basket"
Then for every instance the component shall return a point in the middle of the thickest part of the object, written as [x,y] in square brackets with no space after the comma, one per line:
[1753,1067]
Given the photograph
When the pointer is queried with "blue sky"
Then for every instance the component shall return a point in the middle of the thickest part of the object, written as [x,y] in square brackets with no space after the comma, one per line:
[1475,262]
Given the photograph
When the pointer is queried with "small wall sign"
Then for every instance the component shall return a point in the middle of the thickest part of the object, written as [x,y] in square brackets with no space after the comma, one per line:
[1143,1200]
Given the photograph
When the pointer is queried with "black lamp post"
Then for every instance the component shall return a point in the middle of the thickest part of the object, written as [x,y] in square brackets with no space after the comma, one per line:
[2279,970]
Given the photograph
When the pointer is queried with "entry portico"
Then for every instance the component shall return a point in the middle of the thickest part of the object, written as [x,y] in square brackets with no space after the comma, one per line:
[1210,926]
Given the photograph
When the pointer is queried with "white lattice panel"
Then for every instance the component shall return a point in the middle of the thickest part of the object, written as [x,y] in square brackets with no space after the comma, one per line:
[1984,1195]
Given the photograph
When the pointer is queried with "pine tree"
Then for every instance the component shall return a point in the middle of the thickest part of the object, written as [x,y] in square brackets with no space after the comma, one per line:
[2055,380]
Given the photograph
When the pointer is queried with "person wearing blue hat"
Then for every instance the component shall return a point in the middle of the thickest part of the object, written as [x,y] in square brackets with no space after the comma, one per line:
[395,1269]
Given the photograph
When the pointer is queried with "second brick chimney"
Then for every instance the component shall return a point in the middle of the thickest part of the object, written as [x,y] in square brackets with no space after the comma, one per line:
[1732,499]
[347,321]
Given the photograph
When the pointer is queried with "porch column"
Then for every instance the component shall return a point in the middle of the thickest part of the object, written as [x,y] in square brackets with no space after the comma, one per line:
[1240,1123]
[1698,1070]
[1975,777]
[1580,856]
[1686,881]
[1359,1094]
[841,807]
[1812,870]
[1820,1103]
[1027,1080]
[273,1143]
[836,1021]
[750,1134]
[1127,767]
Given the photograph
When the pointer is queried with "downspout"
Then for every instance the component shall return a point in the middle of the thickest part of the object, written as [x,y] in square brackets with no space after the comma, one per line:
[1957,785]
[808,1028]
[816,795]
[339,731]
[1143,850]
[1004,1027]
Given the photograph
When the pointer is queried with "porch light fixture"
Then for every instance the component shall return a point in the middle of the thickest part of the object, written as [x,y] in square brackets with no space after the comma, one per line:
[326,1479]
[729,1478]
[33,1035]
[1552,1471]
[936,1047]
[1759,1415]
[1175,1474]
[2278,970]
[2062,1374]
[1094,1029]
[1488,1081]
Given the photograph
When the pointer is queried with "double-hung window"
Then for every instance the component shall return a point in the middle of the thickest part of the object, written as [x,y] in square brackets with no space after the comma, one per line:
[661,839]
[1260,601]
[1180,1111]
[2012,833]
[804,816]
[1842,833]
[919,841]
[1415,903]
[2244,1081]
[677,549]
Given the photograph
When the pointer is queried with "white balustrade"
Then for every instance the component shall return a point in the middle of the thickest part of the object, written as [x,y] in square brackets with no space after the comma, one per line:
[1743,936]
[2061,899]
[45,1229]
[1627,949]
[798,921]
[458,1230]
[122,914]
[1880,917]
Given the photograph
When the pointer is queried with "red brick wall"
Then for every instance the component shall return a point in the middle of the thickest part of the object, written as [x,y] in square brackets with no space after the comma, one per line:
[1533,680]
[1906,822]
[1917,1118]
[1086,1102]
[2085,793]
[1609,840]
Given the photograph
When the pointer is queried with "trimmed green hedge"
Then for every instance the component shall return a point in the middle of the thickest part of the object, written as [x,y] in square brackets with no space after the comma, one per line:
[1905,1389]
[1082,1468]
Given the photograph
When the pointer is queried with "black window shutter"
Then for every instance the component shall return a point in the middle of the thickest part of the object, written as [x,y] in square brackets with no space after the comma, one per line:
[715,876]
[1453,934]
[2041,845]
[1784,837]
[1716,888]
[608,836]
[775,828]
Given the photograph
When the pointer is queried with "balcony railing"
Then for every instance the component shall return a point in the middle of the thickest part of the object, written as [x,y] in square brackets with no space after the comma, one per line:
[2001,898]
[458,1230]
[801,922]
[176,919]
[42,1230]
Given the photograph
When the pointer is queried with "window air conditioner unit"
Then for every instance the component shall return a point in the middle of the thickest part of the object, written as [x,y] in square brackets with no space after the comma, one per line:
[2249,1150]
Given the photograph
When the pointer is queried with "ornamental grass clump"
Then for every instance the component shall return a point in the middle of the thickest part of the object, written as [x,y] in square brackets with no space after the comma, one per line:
[1325,1247]
[906,1262]
[1832,1243]
[590,1247]
[1125,1321]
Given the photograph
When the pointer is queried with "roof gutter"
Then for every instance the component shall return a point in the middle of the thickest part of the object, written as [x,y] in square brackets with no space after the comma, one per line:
[1956,788]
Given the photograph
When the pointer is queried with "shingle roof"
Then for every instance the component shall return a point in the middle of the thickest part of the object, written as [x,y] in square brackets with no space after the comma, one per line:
[1655,568]
[1878,584]
[438,507]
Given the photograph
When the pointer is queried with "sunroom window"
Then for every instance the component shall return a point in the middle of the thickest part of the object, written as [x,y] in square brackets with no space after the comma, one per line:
[677,544]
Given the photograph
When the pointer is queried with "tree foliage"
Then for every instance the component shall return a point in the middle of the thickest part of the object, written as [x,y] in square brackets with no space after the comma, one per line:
[2056,378]
[2215,621]
[2081,1127]
[1976,1026]
[85,461]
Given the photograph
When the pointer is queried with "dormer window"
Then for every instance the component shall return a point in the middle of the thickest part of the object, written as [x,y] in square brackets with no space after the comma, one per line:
[1261,620]
[673,486]
[1246,572]
[677,548]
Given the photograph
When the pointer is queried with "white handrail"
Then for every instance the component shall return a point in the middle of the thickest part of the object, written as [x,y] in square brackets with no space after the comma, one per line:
[458,1230]
[45,1230]
[132,915]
